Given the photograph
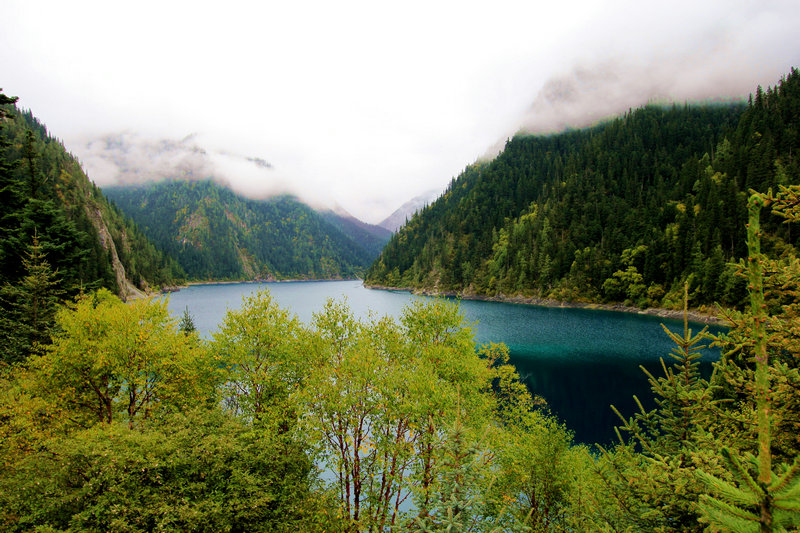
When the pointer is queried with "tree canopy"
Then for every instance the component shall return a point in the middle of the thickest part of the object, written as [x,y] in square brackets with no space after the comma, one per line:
[625,211]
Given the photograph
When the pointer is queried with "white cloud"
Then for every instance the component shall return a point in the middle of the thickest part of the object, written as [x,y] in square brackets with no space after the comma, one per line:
[360,103]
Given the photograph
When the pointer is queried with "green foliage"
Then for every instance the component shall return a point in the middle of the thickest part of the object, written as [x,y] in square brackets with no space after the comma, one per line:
[199,471]
[721,452]
[458,503]
[113,361]
[126,422]
[559,216]
[747,505]
[265,352]
[397,411]
[360,409]
[186,324]
[758,498]
[46,194]
[536,476]
[118,426]
[30,307]
[215,234]
[652,473]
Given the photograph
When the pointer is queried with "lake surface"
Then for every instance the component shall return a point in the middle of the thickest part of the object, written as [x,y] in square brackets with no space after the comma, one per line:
[579,360]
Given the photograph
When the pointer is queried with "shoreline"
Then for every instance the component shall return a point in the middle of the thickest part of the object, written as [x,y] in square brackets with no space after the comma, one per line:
[176,288]
[675,314]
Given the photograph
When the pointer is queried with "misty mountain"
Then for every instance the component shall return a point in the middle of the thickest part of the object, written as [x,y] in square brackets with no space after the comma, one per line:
[370,236]
[46,197]
[404,213]
[129,159]
[627,210]
[216,234]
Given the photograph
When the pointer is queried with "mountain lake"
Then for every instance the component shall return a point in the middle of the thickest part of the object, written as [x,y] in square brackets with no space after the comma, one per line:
[579,360]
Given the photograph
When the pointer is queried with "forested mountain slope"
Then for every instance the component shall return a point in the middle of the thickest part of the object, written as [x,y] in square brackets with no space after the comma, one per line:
[623,211]
[369,236]
[59,236]
[216,234]
[46,195]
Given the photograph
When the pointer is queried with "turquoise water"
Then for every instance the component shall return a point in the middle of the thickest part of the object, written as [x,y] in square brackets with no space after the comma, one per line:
[579,360]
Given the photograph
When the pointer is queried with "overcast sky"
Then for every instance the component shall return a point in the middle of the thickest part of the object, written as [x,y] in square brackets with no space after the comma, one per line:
[364,104]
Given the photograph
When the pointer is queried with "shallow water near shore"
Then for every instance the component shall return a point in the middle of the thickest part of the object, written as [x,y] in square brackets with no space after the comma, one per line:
[579,360]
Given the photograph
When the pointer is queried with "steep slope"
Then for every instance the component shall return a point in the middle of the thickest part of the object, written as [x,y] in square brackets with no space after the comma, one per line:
[371,237]
[216,234]
[47,196]
[624,211]
[403,213]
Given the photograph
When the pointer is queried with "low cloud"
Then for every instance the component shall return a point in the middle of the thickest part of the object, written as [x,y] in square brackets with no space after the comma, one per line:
[370,118]
[639,54]
[592,93]
[128,158]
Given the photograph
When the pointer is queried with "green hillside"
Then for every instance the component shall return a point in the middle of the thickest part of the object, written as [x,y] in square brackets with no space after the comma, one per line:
[371,237]
[215,234]
[623,211]
[46,193]
[59,236]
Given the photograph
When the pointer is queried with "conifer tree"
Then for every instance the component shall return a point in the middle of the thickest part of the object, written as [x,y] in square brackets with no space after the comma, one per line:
[8,191]
[758,498]
[651,476]
[186,323]
[458,506]
[29,306]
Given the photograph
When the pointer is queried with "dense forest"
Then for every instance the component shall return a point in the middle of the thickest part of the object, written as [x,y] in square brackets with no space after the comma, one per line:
[627,210]
[128,421]
[215,234]
[119,417]
[58,233]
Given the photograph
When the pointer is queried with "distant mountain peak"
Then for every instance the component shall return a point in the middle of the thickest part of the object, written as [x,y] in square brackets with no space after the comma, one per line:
[396,220]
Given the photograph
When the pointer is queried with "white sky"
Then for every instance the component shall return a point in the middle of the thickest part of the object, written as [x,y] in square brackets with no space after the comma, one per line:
[364,104]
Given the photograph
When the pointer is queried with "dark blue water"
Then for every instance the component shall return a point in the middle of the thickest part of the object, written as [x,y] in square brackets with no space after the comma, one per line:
[579,360]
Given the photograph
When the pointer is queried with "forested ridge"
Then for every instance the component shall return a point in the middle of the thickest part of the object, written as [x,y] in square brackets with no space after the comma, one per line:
[118,417]
[625,211]
[58,233]
[215,234]
[128,421]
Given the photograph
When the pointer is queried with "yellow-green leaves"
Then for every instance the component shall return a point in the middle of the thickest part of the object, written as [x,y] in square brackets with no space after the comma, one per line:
[266,353]
[112,361]
[382,400]
[408,422]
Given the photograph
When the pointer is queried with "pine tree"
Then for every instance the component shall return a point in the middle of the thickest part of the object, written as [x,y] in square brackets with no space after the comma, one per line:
[651,475]
[680,394]
[758,498]
[29,306]
[186,324]
[9,196]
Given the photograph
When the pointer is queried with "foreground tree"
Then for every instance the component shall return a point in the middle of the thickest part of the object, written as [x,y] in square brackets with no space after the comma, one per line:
[721,453]
[757,496]
[360,404]
[29,307]
[113,361]
[265,352]
[203,470]
[420,428]
[651,475]
[117,427]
